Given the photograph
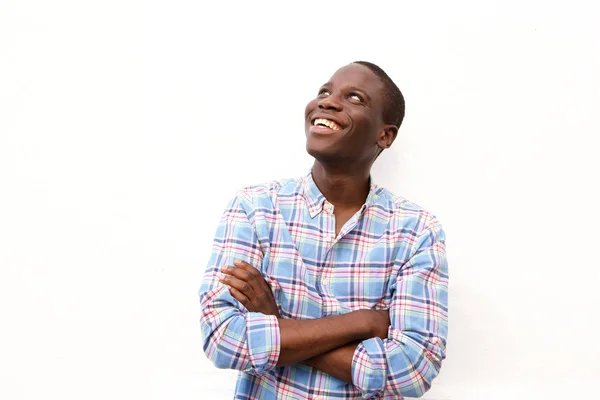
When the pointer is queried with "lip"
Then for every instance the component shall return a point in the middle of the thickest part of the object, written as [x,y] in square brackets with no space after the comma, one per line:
[322,130]
[329,117]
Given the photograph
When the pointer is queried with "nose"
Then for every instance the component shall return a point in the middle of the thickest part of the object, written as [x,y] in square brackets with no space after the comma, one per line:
[330,102]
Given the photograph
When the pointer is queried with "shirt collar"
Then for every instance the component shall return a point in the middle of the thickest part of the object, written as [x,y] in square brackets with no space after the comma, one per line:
[315,199]
[312,195]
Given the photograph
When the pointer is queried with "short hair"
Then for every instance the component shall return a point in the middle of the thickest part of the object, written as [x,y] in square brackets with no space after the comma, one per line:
[393,100]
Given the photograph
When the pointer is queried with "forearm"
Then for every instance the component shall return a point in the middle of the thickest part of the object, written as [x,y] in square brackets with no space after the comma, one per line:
[337,362]
[304,339]
[237,340]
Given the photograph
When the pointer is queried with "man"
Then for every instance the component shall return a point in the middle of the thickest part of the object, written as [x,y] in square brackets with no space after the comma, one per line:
[329,286]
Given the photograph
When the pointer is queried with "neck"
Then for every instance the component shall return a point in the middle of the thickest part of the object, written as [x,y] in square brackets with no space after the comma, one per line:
[345,187]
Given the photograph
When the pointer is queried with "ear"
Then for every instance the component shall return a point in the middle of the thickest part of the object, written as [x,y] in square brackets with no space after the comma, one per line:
[387,136]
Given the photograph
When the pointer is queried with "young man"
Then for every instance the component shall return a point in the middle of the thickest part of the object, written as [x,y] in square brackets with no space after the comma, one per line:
[329,286]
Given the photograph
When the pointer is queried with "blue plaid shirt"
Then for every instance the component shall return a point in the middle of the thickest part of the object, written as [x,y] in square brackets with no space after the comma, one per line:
[389,255]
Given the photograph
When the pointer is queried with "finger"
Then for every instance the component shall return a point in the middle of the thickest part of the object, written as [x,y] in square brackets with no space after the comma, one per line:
[240,273]
[247,267]
[254,277]
[239,296]
[244,287]
[245,272]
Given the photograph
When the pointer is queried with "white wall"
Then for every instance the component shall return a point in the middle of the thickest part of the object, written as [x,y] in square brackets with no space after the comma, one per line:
[125,126]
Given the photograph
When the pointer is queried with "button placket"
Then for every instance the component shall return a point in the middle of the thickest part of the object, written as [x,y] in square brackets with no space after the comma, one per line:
[329,238]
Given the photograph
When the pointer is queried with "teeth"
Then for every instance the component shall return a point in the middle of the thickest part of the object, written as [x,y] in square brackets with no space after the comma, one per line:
[327,123]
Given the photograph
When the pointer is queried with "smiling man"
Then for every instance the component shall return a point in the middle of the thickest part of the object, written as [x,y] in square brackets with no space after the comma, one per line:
[328,286]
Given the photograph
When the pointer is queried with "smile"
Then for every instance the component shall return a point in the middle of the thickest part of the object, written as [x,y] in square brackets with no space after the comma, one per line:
[327,123]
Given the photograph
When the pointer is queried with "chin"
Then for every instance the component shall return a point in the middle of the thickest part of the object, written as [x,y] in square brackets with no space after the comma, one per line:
[312,150]
[319,153]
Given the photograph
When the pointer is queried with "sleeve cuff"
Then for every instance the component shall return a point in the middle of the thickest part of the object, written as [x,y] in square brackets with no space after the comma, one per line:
[369,367]
[263,341]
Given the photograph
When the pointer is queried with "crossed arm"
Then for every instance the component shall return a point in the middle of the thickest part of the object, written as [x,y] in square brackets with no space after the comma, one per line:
[399,352]
[327,344]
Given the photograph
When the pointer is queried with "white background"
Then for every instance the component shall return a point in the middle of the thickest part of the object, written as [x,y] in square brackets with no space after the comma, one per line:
[125,126]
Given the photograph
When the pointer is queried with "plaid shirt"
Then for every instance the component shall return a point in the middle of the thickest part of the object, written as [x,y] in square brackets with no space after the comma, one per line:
[389,255]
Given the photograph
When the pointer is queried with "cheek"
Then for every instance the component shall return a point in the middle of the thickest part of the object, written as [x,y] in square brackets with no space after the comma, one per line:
[310,107]
[366,131]
[364,125]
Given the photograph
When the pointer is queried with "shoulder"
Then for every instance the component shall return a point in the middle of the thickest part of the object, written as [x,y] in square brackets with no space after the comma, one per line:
[265,194]
[404,211]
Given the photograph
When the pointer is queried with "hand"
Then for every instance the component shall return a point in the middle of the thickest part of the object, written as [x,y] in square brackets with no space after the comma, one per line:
[380,323]
[247,285]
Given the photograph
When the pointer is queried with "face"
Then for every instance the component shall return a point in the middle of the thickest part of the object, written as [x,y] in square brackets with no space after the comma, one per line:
[345,121]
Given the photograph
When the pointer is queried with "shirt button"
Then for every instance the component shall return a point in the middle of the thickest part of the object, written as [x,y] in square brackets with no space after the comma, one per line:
[325,281]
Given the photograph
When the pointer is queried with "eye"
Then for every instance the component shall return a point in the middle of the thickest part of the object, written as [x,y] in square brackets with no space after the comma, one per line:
[324,92]
[355,97]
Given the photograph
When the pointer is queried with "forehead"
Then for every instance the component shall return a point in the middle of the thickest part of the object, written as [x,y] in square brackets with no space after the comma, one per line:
[360,77]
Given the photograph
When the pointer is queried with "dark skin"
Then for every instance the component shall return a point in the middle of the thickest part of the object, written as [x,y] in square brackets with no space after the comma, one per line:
[344,149]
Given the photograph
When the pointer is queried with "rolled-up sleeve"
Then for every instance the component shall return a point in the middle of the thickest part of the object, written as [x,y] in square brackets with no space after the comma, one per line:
[233,337]
[407,361]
